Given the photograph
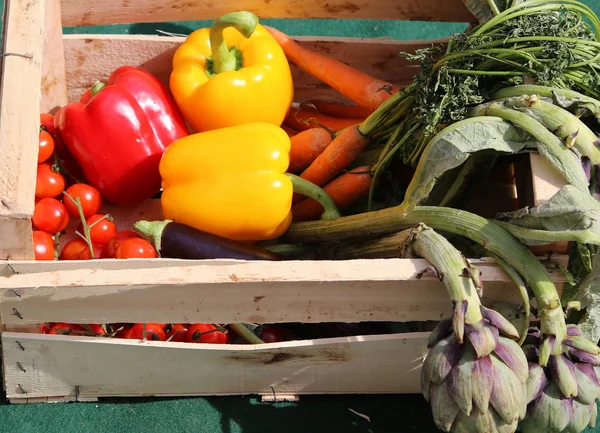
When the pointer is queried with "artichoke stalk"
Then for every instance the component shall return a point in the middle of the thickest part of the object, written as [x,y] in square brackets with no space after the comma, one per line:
[474,378]
[556,352]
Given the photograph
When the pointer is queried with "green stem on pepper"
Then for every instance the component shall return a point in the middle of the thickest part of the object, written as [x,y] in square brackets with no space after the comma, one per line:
[223,58]
[309,189]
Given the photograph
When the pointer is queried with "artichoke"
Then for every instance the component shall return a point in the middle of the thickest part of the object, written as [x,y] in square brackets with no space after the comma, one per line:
[563,383]
[473,377]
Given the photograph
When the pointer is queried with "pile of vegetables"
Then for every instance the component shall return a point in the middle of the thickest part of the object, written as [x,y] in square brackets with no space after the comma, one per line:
[243,172]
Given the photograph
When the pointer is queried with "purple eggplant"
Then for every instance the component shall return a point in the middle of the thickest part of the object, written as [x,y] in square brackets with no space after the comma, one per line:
[179,241]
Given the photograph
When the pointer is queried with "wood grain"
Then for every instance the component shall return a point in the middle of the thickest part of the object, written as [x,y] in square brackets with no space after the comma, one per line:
[180,291]
[90,13]
[56,365]
[19,123]
[93,57]
[54,74]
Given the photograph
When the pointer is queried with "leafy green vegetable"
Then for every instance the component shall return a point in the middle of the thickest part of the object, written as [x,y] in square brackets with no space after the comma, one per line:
[484,10]
[455,144]
[570,215]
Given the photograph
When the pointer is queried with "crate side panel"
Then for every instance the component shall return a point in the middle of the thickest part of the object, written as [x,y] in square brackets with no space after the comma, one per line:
[93,57]
[55,365]
[19,114]
[89,13]
[255,292]
[54,75]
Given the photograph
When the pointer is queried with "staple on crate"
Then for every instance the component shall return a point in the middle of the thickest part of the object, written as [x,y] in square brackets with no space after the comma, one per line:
[27,56]
[21,367]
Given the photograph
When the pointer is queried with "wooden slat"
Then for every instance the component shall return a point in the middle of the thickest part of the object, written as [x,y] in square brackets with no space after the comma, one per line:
[93,57]
[90,12]
[54,75]
[254,292]
[19,123]
[56,365]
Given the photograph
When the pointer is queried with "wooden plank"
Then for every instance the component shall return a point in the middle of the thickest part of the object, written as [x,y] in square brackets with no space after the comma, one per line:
[54,74]
[93,57]
[16,236]
[89,12]
[252,292]
[55,365]
[19,122]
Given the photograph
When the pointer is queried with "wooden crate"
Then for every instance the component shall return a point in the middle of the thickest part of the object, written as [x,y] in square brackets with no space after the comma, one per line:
[57,68]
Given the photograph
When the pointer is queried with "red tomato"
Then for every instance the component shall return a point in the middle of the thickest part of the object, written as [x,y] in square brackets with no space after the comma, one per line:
[72,250]
[99,252]
[48,182]
[90,199]
[50,216]
[177,331]
[272,334]
[206,333]
[154,331]
[46,147]
[96,328]
[135,248]
[47,121]
[111,248]
[44,328]
[43,245]
[65,329]
[103,229]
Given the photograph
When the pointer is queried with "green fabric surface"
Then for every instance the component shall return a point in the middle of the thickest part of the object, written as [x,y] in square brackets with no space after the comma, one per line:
[312,414]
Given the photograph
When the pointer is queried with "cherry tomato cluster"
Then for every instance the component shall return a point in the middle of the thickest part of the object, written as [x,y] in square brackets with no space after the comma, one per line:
[178,332]
[59,198]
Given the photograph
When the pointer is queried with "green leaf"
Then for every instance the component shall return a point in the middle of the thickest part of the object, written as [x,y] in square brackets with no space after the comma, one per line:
[570,215]
[452,146]
[588,293]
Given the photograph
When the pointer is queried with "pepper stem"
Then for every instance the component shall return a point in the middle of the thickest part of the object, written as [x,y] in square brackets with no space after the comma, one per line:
[223,58]
[309,189]
[97,87]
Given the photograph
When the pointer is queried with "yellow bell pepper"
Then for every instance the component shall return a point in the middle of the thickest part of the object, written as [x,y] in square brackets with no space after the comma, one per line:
[231,73]
[232,182]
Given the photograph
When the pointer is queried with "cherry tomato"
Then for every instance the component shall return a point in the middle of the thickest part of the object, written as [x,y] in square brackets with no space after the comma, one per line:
[177,331]
[206,333]
[65,329]
[46,146]
[272,334]
[154,331]
[48,182]
[47,121]
[103,229]
[50,216]
[135,248]
[72,250]
[44,328]
[43,245]
[90,199]
[99,252]
[111,248]
[95,328]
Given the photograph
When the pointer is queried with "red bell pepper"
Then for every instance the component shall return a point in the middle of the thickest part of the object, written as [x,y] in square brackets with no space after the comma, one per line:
[118,132]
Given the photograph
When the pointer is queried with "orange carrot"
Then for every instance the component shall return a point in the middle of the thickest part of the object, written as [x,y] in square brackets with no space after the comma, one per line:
[343,190]
[362,89]
[335,158]
[306,146]
[305,118]
[341,110]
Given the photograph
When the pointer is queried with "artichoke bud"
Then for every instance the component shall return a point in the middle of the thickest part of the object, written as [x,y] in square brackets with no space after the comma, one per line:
[582,344]
[563,373]
[500,322]
[442,330]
